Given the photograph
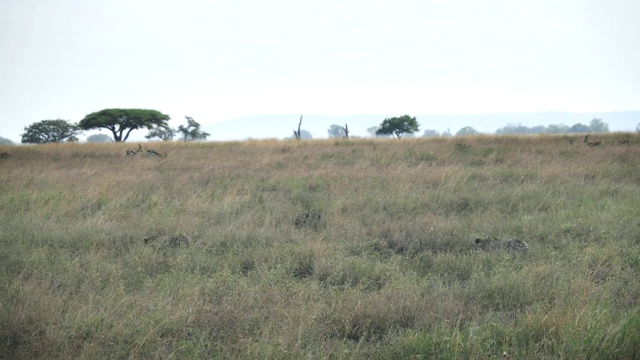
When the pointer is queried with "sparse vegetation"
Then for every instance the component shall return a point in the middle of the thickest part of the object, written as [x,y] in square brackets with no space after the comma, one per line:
[321,249]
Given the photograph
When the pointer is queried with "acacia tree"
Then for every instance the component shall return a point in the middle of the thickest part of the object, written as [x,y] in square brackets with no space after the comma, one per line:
[122,121]
[164,134]
[192,130]
[50,131]
[398,126]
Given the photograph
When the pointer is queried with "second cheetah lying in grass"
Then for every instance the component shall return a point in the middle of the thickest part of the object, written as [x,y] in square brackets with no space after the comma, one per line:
[163,240]
[493,244]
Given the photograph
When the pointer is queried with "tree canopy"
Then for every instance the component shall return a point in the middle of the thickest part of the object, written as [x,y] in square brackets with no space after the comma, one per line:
[164,134]
[122,121]
[192,130]
[579,128]
[597,125]
[398,126]
[50,131]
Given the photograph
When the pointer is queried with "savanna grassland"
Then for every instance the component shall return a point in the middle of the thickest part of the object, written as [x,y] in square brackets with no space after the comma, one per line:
[358,249]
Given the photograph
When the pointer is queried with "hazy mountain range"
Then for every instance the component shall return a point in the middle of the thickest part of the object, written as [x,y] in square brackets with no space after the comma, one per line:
[282,126]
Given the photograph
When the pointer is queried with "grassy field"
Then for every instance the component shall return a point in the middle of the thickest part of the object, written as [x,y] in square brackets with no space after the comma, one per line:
[359,249]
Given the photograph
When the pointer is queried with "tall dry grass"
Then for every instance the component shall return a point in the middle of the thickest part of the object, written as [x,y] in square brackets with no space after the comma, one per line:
[321,249]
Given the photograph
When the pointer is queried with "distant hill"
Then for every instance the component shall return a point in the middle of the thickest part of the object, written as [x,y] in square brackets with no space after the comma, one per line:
[4,141]
[282,126]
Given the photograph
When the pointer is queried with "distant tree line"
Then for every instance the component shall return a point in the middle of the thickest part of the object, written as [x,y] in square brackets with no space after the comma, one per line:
[406,126]
[596,126]
[121,122]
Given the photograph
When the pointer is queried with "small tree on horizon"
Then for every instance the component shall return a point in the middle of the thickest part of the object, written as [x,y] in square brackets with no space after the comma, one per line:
[467,130]
[304,135]
[399,126]
[597,125]
[579,128]
[192,130]
[50,131]
[336,131]
[99,138]
[373,131]
[431,133]
[122,121]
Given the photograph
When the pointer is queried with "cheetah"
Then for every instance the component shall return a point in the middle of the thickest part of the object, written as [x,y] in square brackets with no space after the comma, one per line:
[163,240]
[493,244]
[310,219]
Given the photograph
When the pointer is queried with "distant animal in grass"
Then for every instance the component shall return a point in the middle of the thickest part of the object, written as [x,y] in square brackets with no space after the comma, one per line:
[625,142]
[164,240]
[155,153]
[493,244]
[307,219]
[134,152]
[592,144]
[4,155]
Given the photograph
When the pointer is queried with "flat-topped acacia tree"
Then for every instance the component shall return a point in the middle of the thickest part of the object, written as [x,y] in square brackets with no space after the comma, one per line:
[398,126]
[122,121]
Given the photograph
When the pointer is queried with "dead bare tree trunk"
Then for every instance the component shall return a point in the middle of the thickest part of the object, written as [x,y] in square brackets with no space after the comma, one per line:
[297,133]
[346,131]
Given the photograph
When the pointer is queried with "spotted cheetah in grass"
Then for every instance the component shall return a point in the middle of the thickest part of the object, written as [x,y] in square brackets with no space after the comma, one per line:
[163,240]
[493,244]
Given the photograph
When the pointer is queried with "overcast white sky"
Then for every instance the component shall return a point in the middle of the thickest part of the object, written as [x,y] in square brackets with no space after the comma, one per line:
[216,60]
